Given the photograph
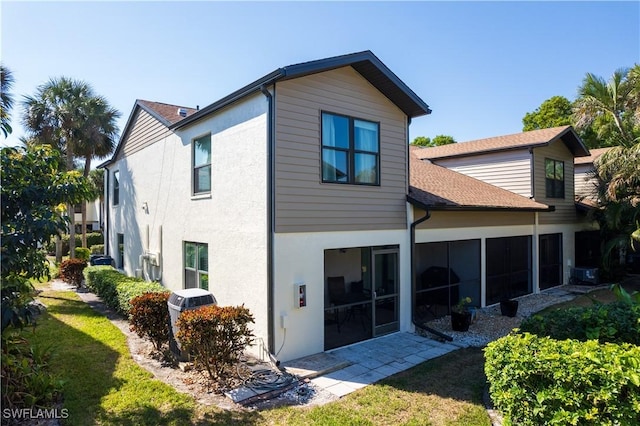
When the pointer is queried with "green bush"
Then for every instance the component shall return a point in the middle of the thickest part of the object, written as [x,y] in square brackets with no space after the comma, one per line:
[617,322]
[215,336]
[26,379]
[93,238]
[149,317]
[71,271]
[116,289]
[541,381]
[83,253]
[97,249]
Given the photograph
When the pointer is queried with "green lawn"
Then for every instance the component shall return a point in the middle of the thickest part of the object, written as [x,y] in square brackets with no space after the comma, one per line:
[104,385]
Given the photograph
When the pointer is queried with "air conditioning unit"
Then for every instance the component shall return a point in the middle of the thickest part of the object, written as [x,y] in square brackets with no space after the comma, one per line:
[180,301]
[584,276]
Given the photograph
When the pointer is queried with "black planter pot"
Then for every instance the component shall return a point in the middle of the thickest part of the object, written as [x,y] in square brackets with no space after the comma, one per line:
[460,321]
[509,308]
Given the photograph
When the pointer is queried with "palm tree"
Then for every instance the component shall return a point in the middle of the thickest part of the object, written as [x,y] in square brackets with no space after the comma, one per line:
[99,133]
[6,99]
[55,116]
[597,98]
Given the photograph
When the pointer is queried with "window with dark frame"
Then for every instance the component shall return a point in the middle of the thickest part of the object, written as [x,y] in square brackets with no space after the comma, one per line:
[350,150]
[120,251]
[116,187]
[196,265]
[554,178]
[202,165]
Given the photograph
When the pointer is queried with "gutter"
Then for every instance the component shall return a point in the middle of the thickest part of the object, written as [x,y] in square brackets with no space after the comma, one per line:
[107,209]
[412,244]
[270,216]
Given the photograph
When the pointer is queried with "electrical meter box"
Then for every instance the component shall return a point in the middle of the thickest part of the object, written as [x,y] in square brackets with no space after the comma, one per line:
[299,295]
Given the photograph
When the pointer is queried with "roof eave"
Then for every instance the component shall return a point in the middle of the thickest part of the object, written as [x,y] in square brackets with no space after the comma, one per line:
[436,207]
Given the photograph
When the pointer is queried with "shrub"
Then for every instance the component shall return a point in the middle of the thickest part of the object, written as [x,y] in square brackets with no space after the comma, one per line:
[538,380]
[71,271]
[617,322]
[26,380]
[116,289]
[215,336]
[97,249]
[93,238]
[83,253]
[149,317]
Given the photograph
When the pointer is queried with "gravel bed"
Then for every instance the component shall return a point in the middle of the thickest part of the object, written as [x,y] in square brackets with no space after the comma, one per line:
[490,325]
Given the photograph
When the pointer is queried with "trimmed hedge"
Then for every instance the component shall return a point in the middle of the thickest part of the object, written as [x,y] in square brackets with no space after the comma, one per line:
[149,317]
[215,336]
[116,289]
[83,253]
[93,238]
[71,271]
[618,322]
[97,249]
[541,381]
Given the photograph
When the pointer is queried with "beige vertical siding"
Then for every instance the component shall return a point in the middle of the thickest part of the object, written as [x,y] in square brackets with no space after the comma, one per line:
[510,170]
[145,130]
[565,207]
[303,202]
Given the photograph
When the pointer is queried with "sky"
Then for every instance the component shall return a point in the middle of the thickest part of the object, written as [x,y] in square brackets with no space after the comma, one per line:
[480,66]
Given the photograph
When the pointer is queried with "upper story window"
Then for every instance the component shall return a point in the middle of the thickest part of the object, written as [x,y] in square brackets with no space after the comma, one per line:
[202,164]
[554,178]
[116,187]
[196,265]
[350,150]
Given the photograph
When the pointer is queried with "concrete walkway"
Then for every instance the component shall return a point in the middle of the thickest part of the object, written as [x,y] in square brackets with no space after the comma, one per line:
[344,370]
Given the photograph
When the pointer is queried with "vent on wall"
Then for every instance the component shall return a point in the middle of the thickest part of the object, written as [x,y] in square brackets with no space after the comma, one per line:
[182,112]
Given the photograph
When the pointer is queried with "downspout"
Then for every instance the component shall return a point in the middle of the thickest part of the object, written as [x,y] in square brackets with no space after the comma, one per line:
[107,209]
[270,219]
[412,244]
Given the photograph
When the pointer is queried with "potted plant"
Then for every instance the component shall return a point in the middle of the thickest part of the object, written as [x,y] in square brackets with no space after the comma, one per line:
[509,307]
[460,315]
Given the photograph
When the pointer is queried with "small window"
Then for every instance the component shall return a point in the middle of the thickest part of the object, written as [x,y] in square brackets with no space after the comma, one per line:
[202,165]
[554,178]
[196,265]
[350,150]
[116,187]
[121,251]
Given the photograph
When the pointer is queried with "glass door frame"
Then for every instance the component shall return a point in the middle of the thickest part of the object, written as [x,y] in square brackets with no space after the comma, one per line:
[377,298]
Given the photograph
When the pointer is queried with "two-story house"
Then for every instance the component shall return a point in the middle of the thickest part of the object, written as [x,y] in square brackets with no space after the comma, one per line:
[287,196]
[298,196]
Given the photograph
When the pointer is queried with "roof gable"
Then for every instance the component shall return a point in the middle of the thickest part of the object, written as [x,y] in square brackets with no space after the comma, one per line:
[365,63]
[165,114]
[438,188]
[524,140]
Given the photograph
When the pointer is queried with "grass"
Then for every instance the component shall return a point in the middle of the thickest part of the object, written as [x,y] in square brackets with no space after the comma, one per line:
[104,385]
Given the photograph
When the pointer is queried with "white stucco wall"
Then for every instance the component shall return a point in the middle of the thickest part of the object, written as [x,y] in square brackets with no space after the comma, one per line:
[232,220]
[300,259]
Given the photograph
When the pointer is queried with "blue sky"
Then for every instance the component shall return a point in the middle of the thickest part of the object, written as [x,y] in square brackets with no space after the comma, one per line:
[479,65]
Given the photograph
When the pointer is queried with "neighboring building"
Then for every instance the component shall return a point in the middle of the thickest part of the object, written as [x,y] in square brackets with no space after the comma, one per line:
[94,219]
[584,178]
[295,196]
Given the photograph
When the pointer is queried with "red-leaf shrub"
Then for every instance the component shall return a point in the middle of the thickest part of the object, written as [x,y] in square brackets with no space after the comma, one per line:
[149,317]
[215,336]
[71,271]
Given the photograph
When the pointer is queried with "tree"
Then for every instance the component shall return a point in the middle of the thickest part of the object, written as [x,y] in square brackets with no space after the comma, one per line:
[33,190]
[66,114]
[615,100]
[98,139]
[554,112]
[437,141]
[6,99]
[618,194]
